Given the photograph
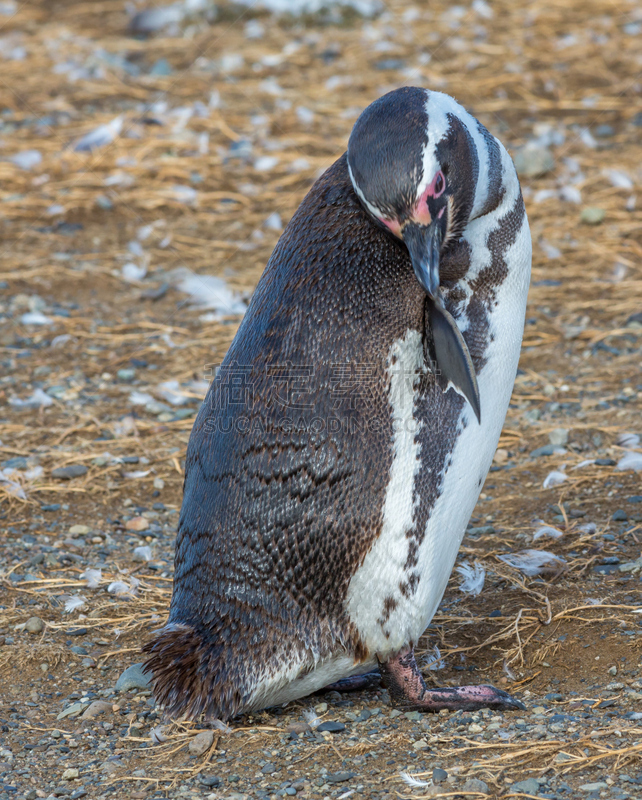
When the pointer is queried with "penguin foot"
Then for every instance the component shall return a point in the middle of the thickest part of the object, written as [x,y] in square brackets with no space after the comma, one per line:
[355,683]
[401,677]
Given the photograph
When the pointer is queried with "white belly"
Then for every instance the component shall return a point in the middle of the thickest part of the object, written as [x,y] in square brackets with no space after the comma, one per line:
[383,571]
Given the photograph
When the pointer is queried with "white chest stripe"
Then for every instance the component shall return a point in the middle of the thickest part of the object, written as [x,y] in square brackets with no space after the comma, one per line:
[383,568]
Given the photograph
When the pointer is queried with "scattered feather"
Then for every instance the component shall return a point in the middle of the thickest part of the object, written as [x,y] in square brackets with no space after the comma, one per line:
[554,478]
[157,735]
[474,576]
[618,178]
[143,553]
[433,660]
[172,393]
[120,588]
[75,602]
[207,292]
[35,318]
[628,440]
[310,716]
[11,486]
[140,398]
[219,725]
[132,272]
[58,341]
[588,527]
[138,473]
[412,781]
[630,461]
[533,562]
[38,399]
[547,531]
[508,671]
[93,577]
[100,136]
[586,463]
[27,159]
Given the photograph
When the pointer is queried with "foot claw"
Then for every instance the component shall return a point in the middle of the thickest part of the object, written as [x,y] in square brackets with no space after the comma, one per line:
[407,689]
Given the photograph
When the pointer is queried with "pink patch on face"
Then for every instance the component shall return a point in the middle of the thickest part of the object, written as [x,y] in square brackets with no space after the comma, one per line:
[392,225]
[437,185]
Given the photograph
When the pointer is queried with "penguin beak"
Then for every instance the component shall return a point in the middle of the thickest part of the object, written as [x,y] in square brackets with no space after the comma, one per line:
[453,361]
[424,243]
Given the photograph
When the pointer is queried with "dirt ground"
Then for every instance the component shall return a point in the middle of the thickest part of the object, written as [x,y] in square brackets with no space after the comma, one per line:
[217,124]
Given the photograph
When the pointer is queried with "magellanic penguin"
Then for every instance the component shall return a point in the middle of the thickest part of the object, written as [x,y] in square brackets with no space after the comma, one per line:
[342,446]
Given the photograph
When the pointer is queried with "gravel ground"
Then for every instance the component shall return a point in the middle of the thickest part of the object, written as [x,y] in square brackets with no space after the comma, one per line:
[141,151]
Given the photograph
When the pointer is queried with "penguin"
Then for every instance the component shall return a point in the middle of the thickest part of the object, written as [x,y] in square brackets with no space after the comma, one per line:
[337,458]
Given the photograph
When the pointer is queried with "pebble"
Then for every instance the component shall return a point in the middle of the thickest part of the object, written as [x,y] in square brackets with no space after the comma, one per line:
[620,516]
[96,708]
[67,473]
[534,160]
[339,777]
[201,743]
[34,625]
[331,726]
[79,530]
[70,774]
[137,524]
[594,787]
[476,785]
[439,775]
[558,437]
[132,678]
[529,786]
[592,215]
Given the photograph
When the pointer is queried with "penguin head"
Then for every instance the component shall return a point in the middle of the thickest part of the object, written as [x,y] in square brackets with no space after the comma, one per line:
[413,165]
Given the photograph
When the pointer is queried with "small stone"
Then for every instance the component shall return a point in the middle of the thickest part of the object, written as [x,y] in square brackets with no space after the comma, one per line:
[529,786]
[70,774]
[475,785]
[592,215]
[605,462]
[56,734]
[421,744]
[72,711]
[331,726]
[137,524]
[298,727]
[439,775]
[126,375]
[501,456]
[594,787]
[201,743]
[96,708]
[34,625]
[534,160]
[268,769]
[546,450]
[132,678]
[612,670]
[321,708]
[79,530]
[339,777]
[558,437]
[209,780]
[67,473]
[620,516]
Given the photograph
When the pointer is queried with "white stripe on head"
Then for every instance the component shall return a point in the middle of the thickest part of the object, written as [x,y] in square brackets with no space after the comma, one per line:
[438,107]
[372,209]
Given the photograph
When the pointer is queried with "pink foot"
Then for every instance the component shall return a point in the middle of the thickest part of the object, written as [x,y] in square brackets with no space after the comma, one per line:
[401,676]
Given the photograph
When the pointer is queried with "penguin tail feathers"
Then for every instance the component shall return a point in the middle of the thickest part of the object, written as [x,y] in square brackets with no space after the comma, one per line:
[186,675]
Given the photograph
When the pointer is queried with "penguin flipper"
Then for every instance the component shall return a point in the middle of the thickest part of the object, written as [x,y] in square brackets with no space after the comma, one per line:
[452,355]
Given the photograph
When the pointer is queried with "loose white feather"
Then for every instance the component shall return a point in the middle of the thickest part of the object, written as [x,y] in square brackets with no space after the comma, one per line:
[533,562]
[93,577]
[474,576]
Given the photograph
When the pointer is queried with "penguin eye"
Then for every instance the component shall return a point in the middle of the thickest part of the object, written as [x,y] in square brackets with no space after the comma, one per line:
[439,184]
